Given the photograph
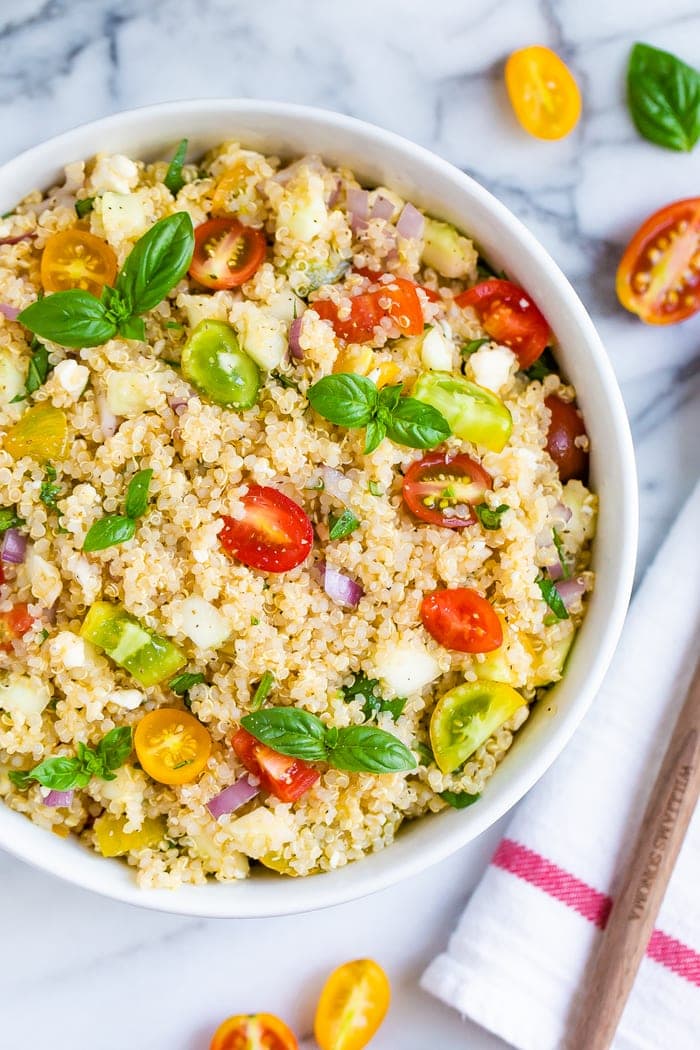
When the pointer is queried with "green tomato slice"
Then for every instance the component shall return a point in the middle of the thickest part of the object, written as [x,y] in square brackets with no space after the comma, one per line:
[214,363]
[466,717]
[474,413]
[148,656]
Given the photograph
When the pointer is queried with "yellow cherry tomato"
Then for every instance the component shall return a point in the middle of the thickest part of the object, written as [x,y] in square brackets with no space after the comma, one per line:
[228,188]
[42,433]
[253,1032]
[543,92]
[113,841]
[353,1004]
[77,259]
[172,746]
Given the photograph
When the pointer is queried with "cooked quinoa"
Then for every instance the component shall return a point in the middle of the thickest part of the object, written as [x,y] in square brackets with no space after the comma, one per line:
[129,408]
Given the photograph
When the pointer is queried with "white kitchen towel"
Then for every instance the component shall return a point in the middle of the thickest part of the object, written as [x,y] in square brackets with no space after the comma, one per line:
[516,960]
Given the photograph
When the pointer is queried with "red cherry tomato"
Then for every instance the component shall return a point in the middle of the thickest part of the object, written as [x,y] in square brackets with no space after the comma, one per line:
[13,624]
[226,253]
[509,316]
[659,275]
[286,778]
[274,534]
[565,427]
[398,300]
[374,275]
[435,484]
[460,619]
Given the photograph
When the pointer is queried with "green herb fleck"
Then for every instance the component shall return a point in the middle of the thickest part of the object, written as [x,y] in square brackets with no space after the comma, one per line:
[84,206]
[174,325]
[261,693]
[173,180]
[472,346]
[8,519]
[552,598]
[375,488]
[490,518]
[343,525]
[49,491]
[459,799]
[558,543]
[285,381]
[254,621]
[544,366]
[424,753]
[182,683]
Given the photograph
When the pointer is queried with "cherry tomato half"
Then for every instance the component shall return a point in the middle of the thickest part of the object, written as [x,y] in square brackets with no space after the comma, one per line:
[172,746]
[398,300]
[13,624]
[461,620]
[509,316]
[543,93]
[226,253]
[435,484]
[253,1032]
[286,778]
[274,534]
[353,1004]
[77,259]
[466,716]
[659,275]
[566,425]
[374,275]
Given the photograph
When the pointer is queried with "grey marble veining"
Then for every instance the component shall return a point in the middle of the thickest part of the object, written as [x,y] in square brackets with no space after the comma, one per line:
[85,972]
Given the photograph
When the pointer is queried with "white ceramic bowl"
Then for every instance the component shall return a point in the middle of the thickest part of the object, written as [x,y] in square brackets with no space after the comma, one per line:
[378,156]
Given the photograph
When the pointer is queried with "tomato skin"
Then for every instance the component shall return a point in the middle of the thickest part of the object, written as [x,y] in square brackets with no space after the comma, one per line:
[509,316]
[13,625]
[275,534]
[460,471]
[565,426]
[286,778]
[658,278]
[398,300]
[74,258]
[172,745]
[352,1006]
[461,620]
[253,1032]
[226,253]
[543,93]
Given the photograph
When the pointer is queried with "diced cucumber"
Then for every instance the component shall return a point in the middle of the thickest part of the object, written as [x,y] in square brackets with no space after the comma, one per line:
[11,378]
[148,656]
[445,250]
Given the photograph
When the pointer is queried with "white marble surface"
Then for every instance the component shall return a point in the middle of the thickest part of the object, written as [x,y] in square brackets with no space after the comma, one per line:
[78,971]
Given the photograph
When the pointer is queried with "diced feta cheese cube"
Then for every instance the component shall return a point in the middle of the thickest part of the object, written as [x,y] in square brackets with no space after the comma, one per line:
[405,668]
[203,623]
[72,377]
[22,695]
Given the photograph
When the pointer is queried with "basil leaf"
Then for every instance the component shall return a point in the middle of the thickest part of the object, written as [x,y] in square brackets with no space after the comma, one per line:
[260,695]
[133,328]
[389,397]
[342,526]
[367,690]
[173,180]
[60,774]
[156,263]
[39,367]
[543,366]
[472,346]
[490,519]
[115,747]
[345,399]
[84,206]
[363,749]
[182,683]
[21,778]
[424,753]
[289,731]
[73,318]
[663,94]
[553,598]
[8,519]
[557,541]
[417,425]
[137,494]
[459,799]
[108,532]
[374,435]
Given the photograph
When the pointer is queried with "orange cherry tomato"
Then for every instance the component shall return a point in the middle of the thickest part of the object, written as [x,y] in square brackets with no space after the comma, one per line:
[398,300]
[509,316]
[565,426]
[228,186]
[461,620]
[172,746]
[286,778]
[226,253]
[253,1032]
[13,624]
[77,259]
[353,1004]
[659,275]
[543,93]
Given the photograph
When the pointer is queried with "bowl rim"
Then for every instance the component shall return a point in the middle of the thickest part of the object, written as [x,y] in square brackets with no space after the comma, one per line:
[31,843]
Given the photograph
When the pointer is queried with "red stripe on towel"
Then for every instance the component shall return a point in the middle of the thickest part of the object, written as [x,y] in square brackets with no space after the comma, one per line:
[590,903]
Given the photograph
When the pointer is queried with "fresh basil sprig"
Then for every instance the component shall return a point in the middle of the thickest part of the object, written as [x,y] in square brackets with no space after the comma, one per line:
[155,264]
[118,528]
[350,400]
[373,703]
[663,94]
[552,598]
[64,774]
[173,180]
[357,749]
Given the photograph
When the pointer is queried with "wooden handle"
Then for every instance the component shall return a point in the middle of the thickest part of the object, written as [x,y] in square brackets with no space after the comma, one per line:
[644,882]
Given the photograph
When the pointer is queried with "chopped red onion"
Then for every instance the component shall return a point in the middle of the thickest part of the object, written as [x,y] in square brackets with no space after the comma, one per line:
[411,222]
[358,209]
[554,570]
[14,547]
[571,591]
[17,240]
[233,797]
[560,512]
[335,193]
[294,333]
[10,312]
[313,162]
[58,798]
[109,423]
[382,208]
[340,588]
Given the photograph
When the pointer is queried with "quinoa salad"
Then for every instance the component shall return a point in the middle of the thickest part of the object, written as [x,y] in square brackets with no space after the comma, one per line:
[294,514]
